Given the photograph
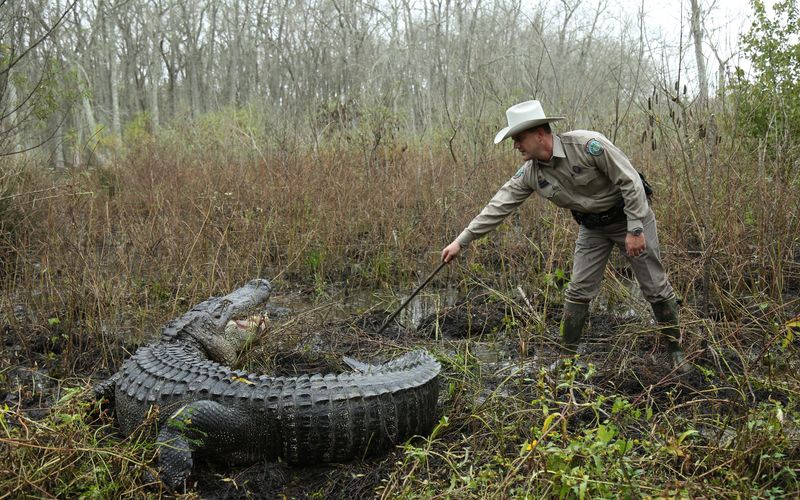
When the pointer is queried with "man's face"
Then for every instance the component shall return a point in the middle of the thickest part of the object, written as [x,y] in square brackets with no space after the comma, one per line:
[533,144]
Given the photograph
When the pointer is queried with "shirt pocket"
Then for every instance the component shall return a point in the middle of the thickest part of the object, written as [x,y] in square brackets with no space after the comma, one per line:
[583,175]
[552,193]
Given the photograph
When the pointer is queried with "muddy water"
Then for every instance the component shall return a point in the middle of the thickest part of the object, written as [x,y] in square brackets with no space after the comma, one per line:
[352,303]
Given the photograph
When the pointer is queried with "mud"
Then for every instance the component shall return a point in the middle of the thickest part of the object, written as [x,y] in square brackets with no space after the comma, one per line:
[34,365]
[473,317]
[278,480]
[493,334]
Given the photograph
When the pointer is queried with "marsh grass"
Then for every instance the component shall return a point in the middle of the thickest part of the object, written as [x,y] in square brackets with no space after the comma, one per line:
[71,452]
[94,260]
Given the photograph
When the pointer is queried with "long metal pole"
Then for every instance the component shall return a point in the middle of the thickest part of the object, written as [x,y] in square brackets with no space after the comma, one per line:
[413,294]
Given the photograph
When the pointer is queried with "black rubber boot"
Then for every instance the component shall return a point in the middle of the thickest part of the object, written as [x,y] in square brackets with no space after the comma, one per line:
[572,323]
[666,314]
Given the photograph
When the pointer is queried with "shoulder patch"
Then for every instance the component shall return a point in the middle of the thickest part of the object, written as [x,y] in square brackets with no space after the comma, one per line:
[593,147]
[519,173]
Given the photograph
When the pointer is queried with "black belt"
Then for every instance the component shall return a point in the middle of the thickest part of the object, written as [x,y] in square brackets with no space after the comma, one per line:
[610,216]
[613,214]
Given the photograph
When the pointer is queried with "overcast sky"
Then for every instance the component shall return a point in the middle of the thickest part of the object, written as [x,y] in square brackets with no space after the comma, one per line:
[724,20]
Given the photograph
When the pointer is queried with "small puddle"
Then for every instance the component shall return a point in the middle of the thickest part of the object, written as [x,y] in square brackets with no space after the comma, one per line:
[486,352]
[626,307]
[425,304]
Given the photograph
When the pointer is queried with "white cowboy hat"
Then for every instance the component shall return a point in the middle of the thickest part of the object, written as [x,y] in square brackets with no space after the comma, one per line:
[523,116]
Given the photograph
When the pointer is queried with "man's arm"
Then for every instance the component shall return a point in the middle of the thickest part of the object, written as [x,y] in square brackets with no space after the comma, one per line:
[508,198]
[619,169]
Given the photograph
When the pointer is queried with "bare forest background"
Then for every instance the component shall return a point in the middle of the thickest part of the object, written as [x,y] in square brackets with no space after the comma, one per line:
[89,78]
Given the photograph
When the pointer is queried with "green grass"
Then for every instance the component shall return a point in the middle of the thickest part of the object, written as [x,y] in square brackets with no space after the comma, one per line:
[71,453]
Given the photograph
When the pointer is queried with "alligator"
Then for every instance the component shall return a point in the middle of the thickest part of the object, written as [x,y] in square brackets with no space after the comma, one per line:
[204,408]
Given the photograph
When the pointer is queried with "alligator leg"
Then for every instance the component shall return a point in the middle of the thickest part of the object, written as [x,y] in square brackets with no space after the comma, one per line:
[198,427]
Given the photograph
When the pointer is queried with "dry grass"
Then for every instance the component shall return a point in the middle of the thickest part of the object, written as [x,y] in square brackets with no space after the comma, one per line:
[94,260]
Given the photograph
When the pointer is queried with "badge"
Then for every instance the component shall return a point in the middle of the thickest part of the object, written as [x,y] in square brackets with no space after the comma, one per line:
[594,148]
[576,169]
[519,173]
[543,183]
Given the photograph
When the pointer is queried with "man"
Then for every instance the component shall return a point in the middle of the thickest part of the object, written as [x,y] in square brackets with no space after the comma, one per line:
[584,172]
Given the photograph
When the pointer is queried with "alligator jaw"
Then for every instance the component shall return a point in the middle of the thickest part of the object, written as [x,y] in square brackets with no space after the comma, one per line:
[241,301]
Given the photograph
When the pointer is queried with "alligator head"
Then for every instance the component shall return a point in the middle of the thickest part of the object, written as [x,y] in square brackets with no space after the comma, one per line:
[205,325]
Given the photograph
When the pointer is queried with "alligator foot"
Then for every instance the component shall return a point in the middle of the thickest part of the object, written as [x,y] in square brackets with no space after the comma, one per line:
[175,452]
[104,392]
[198,427]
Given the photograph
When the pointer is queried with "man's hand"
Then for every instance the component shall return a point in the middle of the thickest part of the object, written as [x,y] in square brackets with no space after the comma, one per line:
[450,251]
[635,245]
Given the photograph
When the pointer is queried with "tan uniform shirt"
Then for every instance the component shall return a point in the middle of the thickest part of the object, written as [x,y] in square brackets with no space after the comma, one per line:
[587,173]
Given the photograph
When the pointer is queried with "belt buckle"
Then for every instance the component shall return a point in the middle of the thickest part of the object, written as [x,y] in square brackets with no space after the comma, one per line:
[604,219]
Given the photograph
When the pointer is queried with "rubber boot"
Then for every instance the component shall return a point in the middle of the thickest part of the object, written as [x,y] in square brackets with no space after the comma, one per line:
[572,323]
[666,314]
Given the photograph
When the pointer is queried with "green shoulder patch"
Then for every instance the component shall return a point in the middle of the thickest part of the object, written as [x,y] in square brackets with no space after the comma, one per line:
[519,173]
[594,147]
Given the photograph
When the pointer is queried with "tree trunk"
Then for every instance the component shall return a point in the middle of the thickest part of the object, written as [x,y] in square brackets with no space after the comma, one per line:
[58,143]
[92,140]
[10,125]
[154,69]
[697,37]
[113,78]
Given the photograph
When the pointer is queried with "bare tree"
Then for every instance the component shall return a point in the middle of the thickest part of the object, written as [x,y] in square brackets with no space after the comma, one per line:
[27,79]
[697,37]
[339,68]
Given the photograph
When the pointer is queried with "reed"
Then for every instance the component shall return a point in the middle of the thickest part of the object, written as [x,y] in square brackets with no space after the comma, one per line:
[94,260]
